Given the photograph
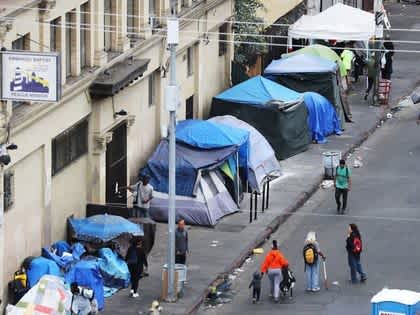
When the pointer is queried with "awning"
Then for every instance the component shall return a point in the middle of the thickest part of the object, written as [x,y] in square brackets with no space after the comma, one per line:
[117,77]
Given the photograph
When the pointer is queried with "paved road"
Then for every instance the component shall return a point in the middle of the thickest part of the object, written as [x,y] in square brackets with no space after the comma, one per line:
[384,202]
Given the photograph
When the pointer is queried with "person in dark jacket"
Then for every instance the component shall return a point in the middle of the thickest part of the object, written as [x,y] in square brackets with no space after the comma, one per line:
[389,56]
[256,286]
[354,249]
[136,261]
[181,243]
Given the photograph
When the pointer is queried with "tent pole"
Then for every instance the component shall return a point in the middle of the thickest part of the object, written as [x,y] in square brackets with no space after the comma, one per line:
[255,206]
[268,193]
[367,59]
[237,177]
[263,199]
[250,207]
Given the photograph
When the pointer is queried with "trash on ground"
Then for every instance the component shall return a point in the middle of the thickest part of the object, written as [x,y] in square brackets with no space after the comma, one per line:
[326,184]
[258,251]
[389,115]
[357,162]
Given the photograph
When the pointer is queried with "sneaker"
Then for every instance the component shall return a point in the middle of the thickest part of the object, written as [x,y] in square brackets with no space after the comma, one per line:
[315,289]
[366,96]
[254,300]
[308,290]
[131,291]
[135,295]
[363,279]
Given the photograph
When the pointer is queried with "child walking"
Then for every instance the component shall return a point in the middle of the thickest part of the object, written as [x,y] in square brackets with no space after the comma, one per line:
[256,286]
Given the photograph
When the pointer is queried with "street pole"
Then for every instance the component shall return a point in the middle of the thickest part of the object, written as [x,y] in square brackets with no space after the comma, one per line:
[172,102]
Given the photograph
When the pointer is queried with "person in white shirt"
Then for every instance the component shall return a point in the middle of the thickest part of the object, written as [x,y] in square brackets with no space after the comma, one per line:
[143,193]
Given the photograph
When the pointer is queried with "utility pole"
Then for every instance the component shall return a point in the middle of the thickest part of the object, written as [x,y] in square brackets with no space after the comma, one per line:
[172,102]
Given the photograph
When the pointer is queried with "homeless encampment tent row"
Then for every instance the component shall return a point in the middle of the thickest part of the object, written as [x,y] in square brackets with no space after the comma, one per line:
[305,72]
[283,123]
[209,156]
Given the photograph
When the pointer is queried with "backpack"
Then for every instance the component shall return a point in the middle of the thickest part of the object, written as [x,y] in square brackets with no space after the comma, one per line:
[357,245]
[310,254]
[288,281]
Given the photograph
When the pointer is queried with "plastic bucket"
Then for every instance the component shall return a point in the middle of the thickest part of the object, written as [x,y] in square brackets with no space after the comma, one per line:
[331,160]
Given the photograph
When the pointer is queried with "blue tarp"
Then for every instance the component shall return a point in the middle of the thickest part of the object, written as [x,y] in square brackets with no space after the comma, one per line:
[39,267]
[323,119]
[87,273]
[204,134]
[57,250]
[258,91]
[114,270]
[103,228]
[300,64]
[189,161]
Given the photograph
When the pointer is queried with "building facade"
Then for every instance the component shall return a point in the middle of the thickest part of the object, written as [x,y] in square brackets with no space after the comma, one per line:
[111,116]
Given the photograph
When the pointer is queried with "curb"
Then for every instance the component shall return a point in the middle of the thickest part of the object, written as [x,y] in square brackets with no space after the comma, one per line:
[302,198]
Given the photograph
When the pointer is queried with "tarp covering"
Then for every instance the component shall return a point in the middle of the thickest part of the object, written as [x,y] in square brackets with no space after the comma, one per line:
[323,120]
[285,129]
[205,134]
[87,274]
[103,228]
[262,159]
[300,63]
[63,254]
[39,267]
[320,51]
[49,296]
[211,202]
[189,161]
[258,91]
[339,22]
[114,270]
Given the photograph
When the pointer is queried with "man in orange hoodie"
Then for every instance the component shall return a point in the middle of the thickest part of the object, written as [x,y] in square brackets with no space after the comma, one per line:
[274,262]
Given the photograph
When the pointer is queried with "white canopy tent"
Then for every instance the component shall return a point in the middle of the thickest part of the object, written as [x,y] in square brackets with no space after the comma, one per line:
[339,22]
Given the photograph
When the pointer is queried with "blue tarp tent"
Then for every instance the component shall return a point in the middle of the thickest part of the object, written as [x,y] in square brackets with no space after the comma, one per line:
[258,91]
[323,119]
[114,270]
[204,134]
[40,266]
[300,64]
[63,254]
[102,228]
[87,273]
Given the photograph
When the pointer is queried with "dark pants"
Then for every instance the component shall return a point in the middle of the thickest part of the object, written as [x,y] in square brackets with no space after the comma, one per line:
[355,268]
[134,276]
[370,85]
[181,259]
[256,293]
[140,212]
[338,193]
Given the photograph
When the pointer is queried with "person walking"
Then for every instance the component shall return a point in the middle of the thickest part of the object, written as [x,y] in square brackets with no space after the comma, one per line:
[371,74]
[256,286]
[143,193]
[136,261]
[311,254]
[388,56]
[181,243]
[347,57]
[354,247]
[342,185]
[273,264]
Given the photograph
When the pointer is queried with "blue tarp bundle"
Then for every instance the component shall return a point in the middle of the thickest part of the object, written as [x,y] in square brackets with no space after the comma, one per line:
[204,134]
[103,228]
[300,64]
[323,119]
[114,270]
[57,253]
[39,267]
[258,91]
[189,161]
[87,273]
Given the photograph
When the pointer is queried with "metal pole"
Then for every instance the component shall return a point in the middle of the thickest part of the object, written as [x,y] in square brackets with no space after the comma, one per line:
[250,207]
[263,199]
[268,194]
[172,104]
[255,206]
[237,178]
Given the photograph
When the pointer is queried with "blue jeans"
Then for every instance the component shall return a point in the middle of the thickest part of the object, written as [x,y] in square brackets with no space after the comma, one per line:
[312,276]
[355,268]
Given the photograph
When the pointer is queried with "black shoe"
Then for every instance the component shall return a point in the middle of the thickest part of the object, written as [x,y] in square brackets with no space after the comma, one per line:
[363,279]
[343,210]
[366,96]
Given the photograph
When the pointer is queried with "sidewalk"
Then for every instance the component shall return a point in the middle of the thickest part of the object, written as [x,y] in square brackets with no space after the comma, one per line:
[234,235]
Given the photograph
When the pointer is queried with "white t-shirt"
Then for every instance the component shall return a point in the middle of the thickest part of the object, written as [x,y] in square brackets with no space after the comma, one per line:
[142,193]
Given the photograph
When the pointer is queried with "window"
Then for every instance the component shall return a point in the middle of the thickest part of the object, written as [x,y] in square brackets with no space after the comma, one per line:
[22,43]
[189,108]
[70,29]
[108,18]
[84,34]
[9,189]
[131,22]
[152,89]
[69,146]
[190,61]
[184,3]
[222,39]
[55,34]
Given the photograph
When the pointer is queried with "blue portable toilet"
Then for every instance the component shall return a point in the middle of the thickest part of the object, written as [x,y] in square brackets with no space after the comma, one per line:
[396,302]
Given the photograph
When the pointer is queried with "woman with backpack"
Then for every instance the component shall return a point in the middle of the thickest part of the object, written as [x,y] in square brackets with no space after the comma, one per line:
[311,254]
[354,249]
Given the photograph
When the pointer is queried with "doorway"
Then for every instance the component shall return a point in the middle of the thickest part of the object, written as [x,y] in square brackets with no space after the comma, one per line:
[368,5]
[189,108]
[116,166]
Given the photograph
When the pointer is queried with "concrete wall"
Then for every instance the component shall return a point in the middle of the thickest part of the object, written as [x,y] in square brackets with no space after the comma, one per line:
[274,9]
